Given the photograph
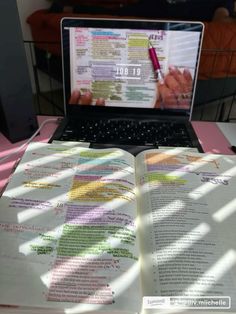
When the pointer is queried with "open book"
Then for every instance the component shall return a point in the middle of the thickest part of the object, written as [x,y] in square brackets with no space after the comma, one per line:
[97,230]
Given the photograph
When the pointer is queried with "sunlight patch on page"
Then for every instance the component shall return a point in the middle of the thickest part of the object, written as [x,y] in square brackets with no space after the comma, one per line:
[206,188]
[87,190]
[169,210]
[55,154]
[28,214]
[183,243]
[120,285]
[105,213]
[120,280]
[93,164]
[32,213]
[225,211]
[165,211]
[45,239]
[44,182]
[54,204]
[217,271]
[178,162]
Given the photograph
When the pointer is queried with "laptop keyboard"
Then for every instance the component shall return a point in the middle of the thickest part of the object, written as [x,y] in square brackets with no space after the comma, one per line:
[128,132]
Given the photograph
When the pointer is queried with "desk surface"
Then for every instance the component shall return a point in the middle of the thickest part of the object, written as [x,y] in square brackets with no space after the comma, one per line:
[229,131]
[209,135]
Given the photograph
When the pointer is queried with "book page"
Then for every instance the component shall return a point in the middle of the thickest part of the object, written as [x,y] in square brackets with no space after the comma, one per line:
[68,231]
[187,219]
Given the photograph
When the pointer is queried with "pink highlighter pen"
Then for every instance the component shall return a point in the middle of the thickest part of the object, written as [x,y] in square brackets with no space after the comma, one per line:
[155,63]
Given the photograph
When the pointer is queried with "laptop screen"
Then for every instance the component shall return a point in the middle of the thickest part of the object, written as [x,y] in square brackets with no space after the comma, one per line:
[131,65]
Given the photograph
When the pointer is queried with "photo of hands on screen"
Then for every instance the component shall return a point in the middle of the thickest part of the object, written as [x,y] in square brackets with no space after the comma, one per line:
[132,68]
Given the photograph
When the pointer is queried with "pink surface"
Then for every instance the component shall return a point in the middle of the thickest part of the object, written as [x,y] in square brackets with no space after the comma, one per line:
[7,167]
[210,137]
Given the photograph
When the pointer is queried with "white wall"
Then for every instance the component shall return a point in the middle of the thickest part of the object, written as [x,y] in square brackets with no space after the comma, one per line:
[25,8]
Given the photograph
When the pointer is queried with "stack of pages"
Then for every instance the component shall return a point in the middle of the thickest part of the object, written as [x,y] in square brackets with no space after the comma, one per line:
[85,230]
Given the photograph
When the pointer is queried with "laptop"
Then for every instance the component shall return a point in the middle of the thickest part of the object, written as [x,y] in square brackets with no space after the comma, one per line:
[129,83]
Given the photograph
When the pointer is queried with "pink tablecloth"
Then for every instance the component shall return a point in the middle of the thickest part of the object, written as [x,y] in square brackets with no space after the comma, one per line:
[7,167]
[211,138]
